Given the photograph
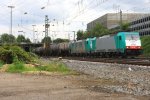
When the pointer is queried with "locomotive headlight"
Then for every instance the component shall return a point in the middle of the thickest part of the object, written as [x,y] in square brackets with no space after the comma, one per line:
[127,47]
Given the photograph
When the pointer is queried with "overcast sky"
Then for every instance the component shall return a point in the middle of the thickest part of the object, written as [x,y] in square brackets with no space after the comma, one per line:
[65,15]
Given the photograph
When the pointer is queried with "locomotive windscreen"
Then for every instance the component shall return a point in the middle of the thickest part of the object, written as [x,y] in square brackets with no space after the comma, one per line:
[132,37]
[133,41]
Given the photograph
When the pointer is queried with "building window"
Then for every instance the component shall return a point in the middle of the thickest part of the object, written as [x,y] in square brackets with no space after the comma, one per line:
[149,18]
[148,32]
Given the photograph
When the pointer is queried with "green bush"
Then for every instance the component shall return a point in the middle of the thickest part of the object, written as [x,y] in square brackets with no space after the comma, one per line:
[6,55]
[10,54]
[20,54]
[145,45]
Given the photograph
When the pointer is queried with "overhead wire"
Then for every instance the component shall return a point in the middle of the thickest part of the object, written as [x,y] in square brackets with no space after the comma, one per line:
[86,8]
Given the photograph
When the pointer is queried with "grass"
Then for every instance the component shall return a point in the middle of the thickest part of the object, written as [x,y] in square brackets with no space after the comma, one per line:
[54,67]
[51,67]
[1,64]
[19,68]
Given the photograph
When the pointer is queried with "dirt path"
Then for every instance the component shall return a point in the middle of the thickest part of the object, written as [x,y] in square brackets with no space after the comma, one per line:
[55,87]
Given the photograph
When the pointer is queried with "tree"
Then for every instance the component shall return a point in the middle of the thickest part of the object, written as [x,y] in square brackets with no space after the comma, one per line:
[125,27]
[59,40]
[12,38]
[7,38]
[46,39]
[99,30]
[21,38]
[80,35]
[87,34]
[27,40]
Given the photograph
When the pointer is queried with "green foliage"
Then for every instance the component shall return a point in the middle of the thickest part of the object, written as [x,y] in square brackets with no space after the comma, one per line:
[145,45]
[54,67]
[20,54]
[46,40]
[16,67]
[59,40]
[8,38]
[27,40]
[6,55]
[1,63]
[21,38]
[97,31]
[125,27]
[10,54]
[19,67]
[87,35]
[80,35]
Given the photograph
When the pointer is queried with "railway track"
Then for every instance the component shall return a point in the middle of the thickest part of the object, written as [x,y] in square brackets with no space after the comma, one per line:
[131,61]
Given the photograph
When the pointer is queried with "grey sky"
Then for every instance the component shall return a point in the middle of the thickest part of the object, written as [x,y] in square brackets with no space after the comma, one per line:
[69,15]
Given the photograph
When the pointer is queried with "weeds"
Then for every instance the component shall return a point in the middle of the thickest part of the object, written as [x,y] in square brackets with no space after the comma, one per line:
[16,68]
[54,67]
[19,67]
[1,63]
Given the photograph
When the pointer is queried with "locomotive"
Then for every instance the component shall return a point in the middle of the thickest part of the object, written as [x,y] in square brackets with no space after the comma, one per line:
[121,44]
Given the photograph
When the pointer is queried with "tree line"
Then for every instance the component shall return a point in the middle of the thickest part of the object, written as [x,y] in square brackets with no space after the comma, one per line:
[99,30]
[9,38]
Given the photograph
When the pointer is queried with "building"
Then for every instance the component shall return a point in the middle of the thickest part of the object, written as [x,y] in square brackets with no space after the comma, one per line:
[141,25]
[112,20]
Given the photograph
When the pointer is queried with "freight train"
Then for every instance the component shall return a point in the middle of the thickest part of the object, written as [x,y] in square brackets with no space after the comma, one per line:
[121,44]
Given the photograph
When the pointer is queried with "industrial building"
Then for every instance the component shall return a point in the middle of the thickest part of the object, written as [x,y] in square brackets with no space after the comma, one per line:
[112,20]
[141,25]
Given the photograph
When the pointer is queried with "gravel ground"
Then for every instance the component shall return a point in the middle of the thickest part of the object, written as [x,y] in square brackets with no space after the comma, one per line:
[56,87]
[131,81]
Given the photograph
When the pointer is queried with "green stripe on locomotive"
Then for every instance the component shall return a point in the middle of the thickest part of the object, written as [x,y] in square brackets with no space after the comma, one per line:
[90,44]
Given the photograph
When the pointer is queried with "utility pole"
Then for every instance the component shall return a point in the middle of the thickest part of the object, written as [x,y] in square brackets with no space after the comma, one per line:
[74,35]
[11,7]
[120,19]
[46,43]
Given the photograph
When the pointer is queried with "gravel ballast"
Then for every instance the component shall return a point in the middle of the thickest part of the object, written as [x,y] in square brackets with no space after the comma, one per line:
[136,78]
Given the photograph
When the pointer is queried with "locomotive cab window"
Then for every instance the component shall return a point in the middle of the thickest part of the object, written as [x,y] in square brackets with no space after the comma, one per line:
[87,42]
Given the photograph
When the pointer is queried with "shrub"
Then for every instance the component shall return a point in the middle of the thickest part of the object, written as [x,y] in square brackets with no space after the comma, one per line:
[20,54]
[10,54]
[145,45]
[6,55]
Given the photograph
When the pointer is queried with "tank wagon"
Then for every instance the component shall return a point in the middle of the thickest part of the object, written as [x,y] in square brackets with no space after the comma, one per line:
[77,48]
[63,49]
[60,49]
[54,49]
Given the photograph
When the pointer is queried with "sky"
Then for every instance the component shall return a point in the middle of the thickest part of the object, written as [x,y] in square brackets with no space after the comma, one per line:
[65,16]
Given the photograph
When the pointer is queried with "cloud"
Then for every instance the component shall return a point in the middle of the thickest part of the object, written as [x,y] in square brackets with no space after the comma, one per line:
[74,13]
